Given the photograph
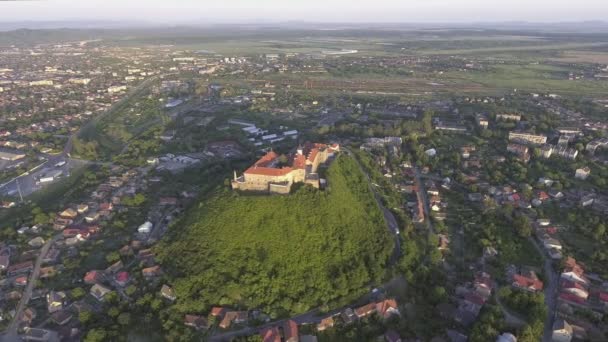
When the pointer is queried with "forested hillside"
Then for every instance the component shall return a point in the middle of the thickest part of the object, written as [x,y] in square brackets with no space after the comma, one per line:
[284,254]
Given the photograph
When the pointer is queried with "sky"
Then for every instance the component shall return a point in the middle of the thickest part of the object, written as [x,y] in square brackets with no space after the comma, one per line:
[340,11]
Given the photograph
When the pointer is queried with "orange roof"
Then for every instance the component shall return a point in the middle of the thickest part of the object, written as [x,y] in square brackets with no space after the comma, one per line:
[267,158]
[268,171]
[271,335]
[365,310]
[526,282]
[384,306]
[290,330]
[299,161]
[217,311]
[313,154]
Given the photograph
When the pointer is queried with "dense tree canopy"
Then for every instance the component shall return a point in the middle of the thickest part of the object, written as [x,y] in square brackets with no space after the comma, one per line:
[284,254]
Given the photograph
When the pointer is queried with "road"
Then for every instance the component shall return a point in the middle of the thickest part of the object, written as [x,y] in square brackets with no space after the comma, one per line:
[390,219]
[67,150]
[550,291]
[11,331]
[426,206]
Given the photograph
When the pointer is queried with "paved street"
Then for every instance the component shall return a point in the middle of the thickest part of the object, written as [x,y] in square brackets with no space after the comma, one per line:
[552,282]
[11,332]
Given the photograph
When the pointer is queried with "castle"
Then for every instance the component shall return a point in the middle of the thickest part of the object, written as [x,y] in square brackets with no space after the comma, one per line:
[268,175]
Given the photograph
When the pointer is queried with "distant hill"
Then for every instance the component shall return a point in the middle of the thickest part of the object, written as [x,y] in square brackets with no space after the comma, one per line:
[284,254]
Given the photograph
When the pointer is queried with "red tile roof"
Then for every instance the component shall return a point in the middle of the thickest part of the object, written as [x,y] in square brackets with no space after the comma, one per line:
[91,277]
[217,311]
[385,306]
[268,171]
[122,277]
[290,330]
[365,310]
[571,298]
[528,283]
[604,296]
[271,335]
[474,298]
[266,159]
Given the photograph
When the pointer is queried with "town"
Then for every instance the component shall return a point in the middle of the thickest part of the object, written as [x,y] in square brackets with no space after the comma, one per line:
[180,189]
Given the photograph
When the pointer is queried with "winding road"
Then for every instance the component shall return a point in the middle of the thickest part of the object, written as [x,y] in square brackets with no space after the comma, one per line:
[550,291]
[11,331]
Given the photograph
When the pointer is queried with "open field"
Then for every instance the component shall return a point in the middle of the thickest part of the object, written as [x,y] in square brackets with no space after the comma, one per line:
[581,56]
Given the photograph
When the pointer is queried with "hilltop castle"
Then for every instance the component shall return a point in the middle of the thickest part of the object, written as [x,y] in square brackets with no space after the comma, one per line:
[268,175]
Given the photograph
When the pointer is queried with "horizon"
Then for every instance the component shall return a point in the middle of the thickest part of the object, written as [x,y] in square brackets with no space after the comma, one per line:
[242,12]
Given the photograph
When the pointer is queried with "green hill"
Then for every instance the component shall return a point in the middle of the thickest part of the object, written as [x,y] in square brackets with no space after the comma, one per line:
[284,254]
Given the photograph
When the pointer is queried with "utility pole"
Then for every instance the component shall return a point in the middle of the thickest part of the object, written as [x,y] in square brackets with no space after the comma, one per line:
[19,190]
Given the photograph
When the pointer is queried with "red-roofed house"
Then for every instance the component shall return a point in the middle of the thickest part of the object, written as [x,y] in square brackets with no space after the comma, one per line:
[526,283]
[387,308]
[569,297]
[122,278]
[575,288]
[326,323]
[290,331]
[271,335]
[574,272]
[218,311]
[365,310]
[92,277]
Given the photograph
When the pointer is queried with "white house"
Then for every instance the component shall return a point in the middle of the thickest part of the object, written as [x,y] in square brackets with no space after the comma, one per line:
[562,331]
[582,173]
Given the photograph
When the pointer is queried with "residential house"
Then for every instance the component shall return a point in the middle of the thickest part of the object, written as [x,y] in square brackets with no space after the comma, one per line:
[365,310]
[218,311]
[55,301]
[47,272]
[348,315]
[196,322]
[574,288]
[21,268]
[61,317]
[236,317]
[168,293]
[290,331]
[562,331]
[122,278]
[527,283]
[574,272]
[92,277]
[69,214]
[114,268]
[387,308]
[506,337]
[99,292]
[151,272]
[582,173]
[270,334]
[325,324]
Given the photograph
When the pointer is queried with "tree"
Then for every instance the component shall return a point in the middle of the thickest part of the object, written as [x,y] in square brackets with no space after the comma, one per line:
[78,293]
[112,257]
[522,225]
[124,318]
[95,335]
[85,316]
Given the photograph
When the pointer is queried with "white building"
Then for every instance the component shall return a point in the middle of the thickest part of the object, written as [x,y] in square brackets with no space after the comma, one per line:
[582,173]
[145,228]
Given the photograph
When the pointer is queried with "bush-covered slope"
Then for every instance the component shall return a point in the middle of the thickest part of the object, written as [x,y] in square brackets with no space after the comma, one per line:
[283,254]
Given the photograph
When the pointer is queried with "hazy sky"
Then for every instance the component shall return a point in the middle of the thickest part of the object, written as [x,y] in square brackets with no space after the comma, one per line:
[239,11]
